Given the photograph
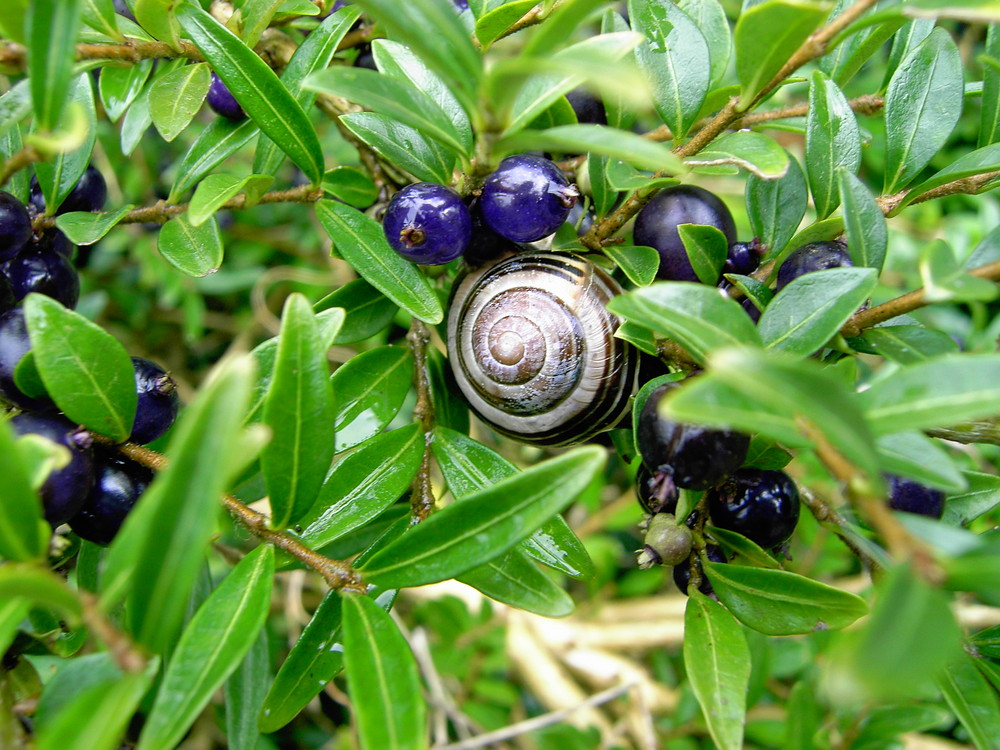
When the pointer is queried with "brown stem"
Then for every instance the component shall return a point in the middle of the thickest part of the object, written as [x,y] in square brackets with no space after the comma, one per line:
[890,204]
[125,653]
[13,55]
[23,158]
[338,574]
[422,497]
[531,18]
[827,517]
[981,431]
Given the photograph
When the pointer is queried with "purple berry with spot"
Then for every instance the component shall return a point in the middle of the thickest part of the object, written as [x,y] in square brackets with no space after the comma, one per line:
[157,404]
[64,490]
[428,223]
[816,256]
[15,226]
[743,257]
[118,483]
[48,273]
[526,198]
[913,497]
[222,101]
[656,226]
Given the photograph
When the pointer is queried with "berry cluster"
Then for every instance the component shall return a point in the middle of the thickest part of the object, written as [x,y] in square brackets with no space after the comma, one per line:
[525,199]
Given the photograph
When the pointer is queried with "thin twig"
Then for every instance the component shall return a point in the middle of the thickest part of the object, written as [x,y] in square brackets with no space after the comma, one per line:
[14,56]
[125,653]
[23,158]
[422,497]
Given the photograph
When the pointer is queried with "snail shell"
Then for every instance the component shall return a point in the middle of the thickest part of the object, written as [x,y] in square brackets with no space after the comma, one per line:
[532,347]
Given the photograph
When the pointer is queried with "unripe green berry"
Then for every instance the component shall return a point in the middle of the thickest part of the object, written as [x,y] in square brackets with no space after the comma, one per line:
[665,542]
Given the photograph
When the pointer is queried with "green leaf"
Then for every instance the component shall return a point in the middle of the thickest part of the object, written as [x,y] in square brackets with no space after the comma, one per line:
[833,142]
[638,263]
[86,228]
[754,152]
[315,53]
[350,185]
[362,243]
[973,701]
[914,455]
[299,409]
[717,663]
[946,281]
[867,234]
[435,33]
[212,646]
[486,524]
[981,496]
[136,122]
[934,393]
[382,679]
[174,99]
[980,161]
[402,145]
[15,105]
[216,189]
[12,21]
[675,58]
[776,207]
[194,251]
[512,578]
[469,466]
[777,602]
[367,311]
[808,312]
[387,96]
[220,140]
[158,554]
[364,484]
[52,27]
[257,90]
[370,390]
[766,36]
[245,691]
[695,315]
[100,16]
[23,533]
[965,10]
[88,372]
[491,26]
[315,659]
[97,717]
[989,128]
[706,248]
[58,177]
[908,344]
[563,21]
[922,106]
[159,19]
[120,86]
[739,544]
[596,139]
[23,581]
[710,18]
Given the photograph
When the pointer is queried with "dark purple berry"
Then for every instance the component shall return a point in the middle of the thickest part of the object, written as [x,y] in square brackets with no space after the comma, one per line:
[816,256]
[15,226]
[428,223]
[653,495]
[222,101]
[751,309]
[89,194]
[123,10]
[14,344]
[7,301]
[761,505]
[53,241]
[365,59]
[743,258]
[587,107]
[526,198]
[118,483]
[913,497]
[580,218]
[65,489]
[156,409]
[657,222]
[691,456]
[48,273]
[682,572]
[485,245]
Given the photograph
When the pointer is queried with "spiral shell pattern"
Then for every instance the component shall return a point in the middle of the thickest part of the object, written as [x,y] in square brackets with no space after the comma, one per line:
[532,347]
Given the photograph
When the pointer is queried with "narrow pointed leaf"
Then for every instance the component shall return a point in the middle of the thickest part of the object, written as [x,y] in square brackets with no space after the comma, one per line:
[52,27]
[86,228]
[216,189]
[174,99]
[120,86]
[486,524]
[833,142]
[245,690]
[512,578]
[59,176]
[970,696]
[210,649]
[864,223]
[424,158]
[220,140]
[370,390]
[192,250]
[776,207]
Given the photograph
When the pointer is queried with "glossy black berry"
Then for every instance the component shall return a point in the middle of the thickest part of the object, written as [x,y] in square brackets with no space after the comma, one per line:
[526,198]
[53,241]
[118,483]
[157,406]
[751,309]
[89,194]
[7,300]
[15,226]
[428,223]
[652,493]
[65,489]
[365,59]
[742,258]
[48,273]
[913,497]
[761,505]
[682,572]
[581,218]
[694,457]
[587,107]
[816,256]
[485,245]
[222,101]
[656,226]
[14,344]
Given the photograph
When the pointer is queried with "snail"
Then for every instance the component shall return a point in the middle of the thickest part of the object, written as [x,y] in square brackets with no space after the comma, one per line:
[532,347]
